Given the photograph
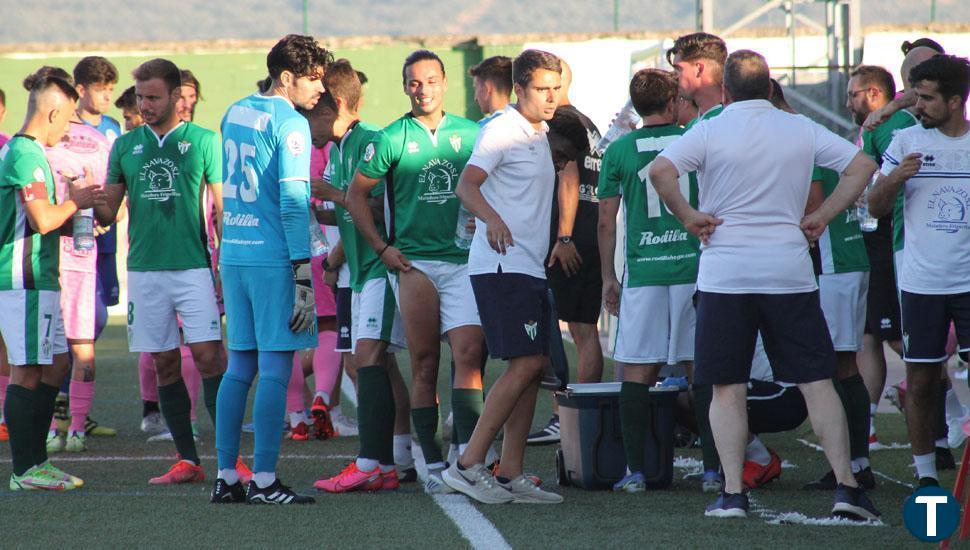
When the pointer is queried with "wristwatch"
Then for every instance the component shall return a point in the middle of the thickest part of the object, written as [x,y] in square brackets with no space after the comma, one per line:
[565,239]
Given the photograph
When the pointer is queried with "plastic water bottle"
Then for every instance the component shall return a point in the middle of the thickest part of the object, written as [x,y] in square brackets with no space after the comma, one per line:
[625,119]
[318,241]
[83,227]
[463,235]
[866,222]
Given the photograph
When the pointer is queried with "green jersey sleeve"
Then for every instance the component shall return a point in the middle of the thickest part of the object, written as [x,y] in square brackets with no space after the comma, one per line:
[212,159]
[379,156]
[115,174]
[610,180]
[26,169]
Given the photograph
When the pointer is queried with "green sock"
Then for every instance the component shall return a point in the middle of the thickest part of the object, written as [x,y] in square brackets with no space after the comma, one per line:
[425,420]
[18,411]
[375,414]
[210,393]
[177,409]
[634,422]
[44,398]
[858,415]
[466,404]
[703,396]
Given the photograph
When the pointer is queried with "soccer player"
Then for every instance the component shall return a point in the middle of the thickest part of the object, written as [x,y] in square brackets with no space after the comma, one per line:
[31,326]
[508,185]
[190,93]
[129,109]
[83,147]
[927,163]
[755,274]
[492,81]
[843,287]
[914,53]
[420,156]
[377,328]
[265,262]
[698,59]
[163,166]
[661,262]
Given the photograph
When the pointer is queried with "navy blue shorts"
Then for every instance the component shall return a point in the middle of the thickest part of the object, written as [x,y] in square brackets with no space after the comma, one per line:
[926,325]
[514,309]
[793,328]
[344,297]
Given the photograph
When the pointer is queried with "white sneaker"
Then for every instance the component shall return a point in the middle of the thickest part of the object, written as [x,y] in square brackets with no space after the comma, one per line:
[524,491]
[75,443]
[434,485]
[478,483]
[153,424]
[345,426]
[955,435]
[55,443]
[167,435]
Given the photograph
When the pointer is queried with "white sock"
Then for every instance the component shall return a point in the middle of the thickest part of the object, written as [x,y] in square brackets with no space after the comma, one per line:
[942,442]
[366,464]
[324,395]
[296,418]
[461,448]
[757,452]
[926,465]
[386,468]
[859,464]
[436,466]
[402,449]
[264,479]
[230,476]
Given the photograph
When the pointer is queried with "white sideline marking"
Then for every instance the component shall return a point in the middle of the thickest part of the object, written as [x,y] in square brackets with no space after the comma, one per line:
[480,533]
[874,471]
[121,458]
[792,518]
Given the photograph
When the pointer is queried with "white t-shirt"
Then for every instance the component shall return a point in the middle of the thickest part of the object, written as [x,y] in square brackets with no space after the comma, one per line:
[519,187]
[936,211]
[754,169]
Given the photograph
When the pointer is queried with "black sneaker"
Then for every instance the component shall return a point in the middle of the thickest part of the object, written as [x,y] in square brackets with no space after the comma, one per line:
[407,475]
[547,435]
[277,493]
[927,482]
[866,479]
[728,505]
[944,459]
[824,483]
[223,493]
[852,503]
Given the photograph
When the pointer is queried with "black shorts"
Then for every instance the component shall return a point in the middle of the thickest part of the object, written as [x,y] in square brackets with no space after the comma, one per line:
[792,326]
[344,341]
[515,314]
[926,325]
[882,306]
[579,298]
[774,408]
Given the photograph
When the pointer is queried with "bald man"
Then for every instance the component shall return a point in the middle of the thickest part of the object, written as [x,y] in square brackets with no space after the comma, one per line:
[907,98]
[31,325]
[573,266]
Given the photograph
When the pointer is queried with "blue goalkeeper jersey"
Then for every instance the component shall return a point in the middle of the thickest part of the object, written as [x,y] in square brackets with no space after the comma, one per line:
[266,183]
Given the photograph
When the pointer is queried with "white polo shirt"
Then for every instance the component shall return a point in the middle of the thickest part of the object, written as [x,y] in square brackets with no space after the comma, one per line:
[936,211]
[754,169]
[519,187]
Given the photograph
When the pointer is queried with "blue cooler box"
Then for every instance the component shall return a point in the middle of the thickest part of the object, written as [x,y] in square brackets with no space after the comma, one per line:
[591,454]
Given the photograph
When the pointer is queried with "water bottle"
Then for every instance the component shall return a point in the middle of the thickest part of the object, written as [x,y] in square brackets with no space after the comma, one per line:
[866,222]
[463,235]
[84,229]
[625,119]
[318,241]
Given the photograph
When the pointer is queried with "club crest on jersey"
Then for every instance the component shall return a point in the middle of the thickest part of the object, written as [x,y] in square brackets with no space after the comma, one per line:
[158,177]
[413,147]
[438,179]
[39,175]
[531,329]
[184,146]
[455,141]
[368,152]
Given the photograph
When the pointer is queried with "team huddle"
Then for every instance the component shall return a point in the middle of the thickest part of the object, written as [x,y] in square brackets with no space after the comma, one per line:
[327,243]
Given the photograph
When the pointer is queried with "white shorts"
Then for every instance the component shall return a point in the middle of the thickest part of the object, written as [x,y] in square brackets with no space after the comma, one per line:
[31,326]
[456,299]
[154,299]
[374,315]
[656,325]
[843,297]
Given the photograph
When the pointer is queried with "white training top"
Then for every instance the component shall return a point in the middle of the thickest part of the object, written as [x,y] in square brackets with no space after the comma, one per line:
[936,211]
[754,169]
[519,187]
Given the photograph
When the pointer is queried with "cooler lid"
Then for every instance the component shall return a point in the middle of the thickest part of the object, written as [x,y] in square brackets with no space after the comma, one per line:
[606,389]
